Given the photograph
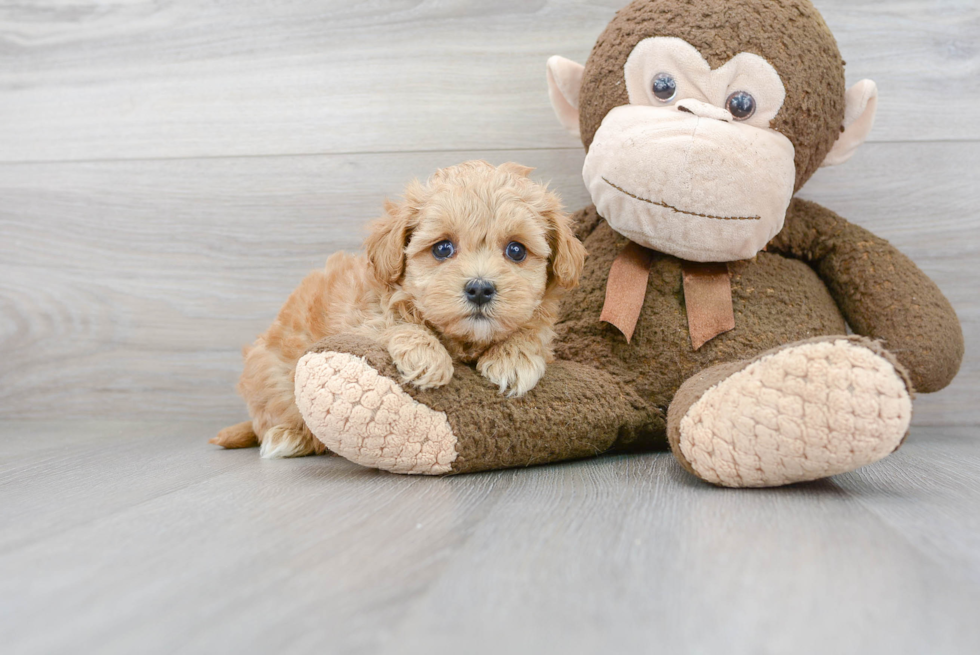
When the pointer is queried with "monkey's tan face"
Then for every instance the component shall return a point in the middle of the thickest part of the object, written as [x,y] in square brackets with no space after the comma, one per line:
[691,167]
[697,188]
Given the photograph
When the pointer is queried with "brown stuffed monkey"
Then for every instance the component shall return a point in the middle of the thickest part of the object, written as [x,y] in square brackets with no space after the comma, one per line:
[713,309]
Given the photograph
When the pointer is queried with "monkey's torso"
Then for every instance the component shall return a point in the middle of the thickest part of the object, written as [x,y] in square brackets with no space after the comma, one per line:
[776,300]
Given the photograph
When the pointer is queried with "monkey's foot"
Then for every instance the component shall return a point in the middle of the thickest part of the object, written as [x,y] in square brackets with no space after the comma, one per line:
[803,412]
[368,419]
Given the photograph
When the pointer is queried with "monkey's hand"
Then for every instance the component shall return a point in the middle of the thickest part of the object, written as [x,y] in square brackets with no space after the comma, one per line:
[514,365]
[420,358]
[881,293]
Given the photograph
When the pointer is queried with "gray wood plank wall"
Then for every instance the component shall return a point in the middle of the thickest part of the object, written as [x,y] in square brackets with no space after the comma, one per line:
[170,170]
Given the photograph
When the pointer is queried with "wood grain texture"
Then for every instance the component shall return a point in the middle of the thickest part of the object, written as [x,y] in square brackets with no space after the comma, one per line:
[128,288]
[123,538]
[91,80]
[919,492]
[169,170]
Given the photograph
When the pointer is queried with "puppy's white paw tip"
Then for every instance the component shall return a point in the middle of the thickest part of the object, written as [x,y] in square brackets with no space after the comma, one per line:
[513,371]
[282,442]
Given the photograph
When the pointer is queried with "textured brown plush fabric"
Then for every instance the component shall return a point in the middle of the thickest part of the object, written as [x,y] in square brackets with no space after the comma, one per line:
[574,412]
[881,292]
[790,34]
[776,301]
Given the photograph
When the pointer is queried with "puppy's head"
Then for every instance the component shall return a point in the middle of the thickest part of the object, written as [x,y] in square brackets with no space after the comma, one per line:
[477,250]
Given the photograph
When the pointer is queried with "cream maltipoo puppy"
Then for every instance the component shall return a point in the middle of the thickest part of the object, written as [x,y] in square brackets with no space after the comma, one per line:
[469,266]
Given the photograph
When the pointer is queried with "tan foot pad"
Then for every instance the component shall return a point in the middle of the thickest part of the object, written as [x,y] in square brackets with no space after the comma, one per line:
[803,413]
[368,419]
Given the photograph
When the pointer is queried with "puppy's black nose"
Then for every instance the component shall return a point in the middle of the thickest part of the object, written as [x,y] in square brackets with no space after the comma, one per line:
[480,292]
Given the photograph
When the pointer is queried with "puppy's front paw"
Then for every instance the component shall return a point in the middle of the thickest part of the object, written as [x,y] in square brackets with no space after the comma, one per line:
[421,359]
[512,367]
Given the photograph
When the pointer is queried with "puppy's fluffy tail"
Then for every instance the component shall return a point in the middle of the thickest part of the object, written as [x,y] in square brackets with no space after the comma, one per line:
[237,436]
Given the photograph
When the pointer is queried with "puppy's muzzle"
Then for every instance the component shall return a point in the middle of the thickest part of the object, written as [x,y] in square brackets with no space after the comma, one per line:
[479,292]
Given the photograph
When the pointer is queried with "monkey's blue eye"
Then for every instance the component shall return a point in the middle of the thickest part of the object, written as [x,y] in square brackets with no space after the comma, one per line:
[444,250]
[740,105]
[515,252]
[664,87]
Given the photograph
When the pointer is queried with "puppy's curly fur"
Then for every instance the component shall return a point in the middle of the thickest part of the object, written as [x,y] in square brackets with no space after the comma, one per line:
[412,296]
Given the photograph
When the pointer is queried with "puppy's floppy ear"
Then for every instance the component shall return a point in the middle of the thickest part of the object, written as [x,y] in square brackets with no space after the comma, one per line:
[385,245]
[517,169]
[567,252]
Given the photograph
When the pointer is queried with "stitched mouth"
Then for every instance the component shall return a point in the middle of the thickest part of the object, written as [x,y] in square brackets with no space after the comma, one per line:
[681,211]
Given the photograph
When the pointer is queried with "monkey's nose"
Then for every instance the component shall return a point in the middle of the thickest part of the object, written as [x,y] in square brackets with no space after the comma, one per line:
[480,292]
[704,110]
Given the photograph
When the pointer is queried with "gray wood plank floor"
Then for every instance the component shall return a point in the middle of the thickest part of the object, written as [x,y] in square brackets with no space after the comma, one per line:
[140,537]
[170,170]
[191,79]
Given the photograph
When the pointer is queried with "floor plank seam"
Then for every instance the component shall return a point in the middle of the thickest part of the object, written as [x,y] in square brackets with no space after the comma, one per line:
[382,153]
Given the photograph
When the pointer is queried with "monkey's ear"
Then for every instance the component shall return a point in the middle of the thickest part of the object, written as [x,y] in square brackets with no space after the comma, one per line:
[861,103]
[564,87]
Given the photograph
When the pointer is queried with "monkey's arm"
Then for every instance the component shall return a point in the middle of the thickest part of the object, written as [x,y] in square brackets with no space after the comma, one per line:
[882,294]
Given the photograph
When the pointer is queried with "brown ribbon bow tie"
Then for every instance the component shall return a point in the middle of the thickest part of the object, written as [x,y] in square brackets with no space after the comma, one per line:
[707,295]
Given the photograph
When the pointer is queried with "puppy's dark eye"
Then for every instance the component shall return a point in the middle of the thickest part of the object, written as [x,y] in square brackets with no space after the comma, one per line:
[515,252]
[741,105]
[444,250]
